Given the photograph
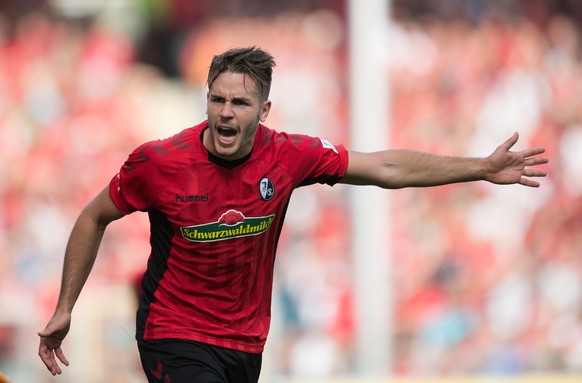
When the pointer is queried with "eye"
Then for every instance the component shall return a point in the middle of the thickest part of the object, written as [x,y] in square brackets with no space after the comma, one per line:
[216,99]
[238,101]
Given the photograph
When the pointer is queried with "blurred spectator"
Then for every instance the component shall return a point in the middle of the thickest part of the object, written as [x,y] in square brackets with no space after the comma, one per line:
[514,264]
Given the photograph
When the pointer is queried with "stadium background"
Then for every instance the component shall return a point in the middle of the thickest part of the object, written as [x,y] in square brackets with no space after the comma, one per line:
[487,280]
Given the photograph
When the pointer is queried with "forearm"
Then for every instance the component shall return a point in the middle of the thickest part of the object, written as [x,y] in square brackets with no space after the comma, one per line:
[80,256]
[406,168]
[394,169]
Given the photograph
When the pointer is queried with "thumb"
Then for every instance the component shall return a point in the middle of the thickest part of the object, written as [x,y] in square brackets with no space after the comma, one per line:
[58,326]
[48,331]
[510,142]
[44,333]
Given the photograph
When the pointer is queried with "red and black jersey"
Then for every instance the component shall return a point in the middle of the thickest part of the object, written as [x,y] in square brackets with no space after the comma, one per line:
[214,230]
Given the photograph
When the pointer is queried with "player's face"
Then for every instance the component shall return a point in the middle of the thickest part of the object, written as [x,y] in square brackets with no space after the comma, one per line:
[234,109]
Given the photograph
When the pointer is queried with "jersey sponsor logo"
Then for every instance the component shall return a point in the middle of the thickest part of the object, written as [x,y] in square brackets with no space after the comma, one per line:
[267,189]
[328,145]
[232,224]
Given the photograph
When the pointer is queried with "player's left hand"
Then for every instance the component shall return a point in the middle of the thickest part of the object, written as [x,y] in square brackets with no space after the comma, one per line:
[507,167]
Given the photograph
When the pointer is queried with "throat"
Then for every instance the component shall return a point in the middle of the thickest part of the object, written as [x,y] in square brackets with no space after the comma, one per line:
[228,164]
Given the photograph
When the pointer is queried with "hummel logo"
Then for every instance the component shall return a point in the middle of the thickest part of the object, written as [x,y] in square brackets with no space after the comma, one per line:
[192,198]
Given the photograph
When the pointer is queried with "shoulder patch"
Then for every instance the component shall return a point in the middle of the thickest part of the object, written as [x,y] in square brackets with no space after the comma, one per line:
[328,145]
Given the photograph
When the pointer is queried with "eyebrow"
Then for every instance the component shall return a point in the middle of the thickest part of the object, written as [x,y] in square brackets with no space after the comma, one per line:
[235,98]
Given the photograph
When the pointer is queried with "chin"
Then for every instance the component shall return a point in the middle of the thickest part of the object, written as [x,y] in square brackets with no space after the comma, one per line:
[227,154]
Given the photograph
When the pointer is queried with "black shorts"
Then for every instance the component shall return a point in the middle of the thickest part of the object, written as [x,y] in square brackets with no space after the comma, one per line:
[182,361]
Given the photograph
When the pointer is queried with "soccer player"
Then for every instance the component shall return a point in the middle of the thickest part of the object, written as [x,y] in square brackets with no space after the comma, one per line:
[216,196]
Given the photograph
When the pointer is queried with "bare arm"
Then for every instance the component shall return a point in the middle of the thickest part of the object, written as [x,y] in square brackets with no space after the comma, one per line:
[393,169]
[80,256]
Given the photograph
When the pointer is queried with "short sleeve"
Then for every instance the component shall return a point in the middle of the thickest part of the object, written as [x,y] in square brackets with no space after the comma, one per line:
[131,189]
[314,160]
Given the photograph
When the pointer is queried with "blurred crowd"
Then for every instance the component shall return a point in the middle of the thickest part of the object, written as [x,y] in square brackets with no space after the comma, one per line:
[487,279]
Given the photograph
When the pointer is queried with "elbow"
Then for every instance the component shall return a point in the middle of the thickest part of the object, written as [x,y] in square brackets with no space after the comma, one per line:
[91,219]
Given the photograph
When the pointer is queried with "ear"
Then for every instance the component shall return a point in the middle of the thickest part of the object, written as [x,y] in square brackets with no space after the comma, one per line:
[265,111]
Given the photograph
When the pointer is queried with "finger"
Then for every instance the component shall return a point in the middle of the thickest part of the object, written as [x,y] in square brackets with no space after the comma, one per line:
[47,350]
[48,358]
[510,142]
[59,353]
[530,183]
[534,173]
[532,152]
[535,161]
[53,366]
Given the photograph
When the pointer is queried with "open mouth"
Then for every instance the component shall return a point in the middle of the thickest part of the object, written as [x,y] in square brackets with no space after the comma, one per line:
[226,135]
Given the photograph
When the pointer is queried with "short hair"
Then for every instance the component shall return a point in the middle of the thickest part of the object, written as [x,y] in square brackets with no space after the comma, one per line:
[252,61]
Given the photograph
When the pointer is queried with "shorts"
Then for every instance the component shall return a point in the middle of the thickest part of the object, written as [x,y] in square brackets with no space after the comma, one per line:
[183,361]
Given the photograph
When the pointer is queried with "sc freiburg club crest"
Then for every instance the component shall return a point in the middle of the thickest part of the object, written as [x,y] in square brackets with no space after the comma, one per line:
[267,189]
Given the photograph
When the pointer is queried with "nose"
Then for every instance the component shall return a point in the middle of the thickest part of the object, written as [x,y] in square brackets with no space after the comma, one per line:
[226,110]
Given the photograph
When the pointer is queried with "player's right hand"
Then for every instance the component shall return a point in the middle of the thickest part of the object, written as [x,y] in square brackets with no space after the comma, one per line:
[51,339]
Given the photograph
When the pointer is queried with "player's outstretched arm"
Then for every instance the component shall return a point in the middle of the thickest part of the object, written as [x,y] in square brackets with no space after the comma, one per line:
[393,169]
[79,259]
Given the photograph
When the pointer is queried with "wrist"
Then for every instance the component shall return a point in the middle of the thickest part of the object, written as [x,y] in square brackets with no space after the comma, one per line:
[483,169]
[63,308]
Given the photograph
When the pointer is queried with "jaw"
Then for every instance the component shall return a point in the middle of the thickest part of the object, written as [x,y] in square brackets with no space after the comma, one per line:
[225,144]
[229,142]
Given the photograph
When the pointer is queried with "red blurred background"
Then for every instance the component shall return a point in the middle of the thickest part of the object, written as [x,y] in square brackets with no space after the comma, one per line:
[488,279]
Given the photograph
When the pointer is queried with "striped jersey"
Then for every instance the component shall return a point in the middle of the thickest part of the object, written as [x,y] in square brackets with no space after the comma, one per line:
[214,228]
